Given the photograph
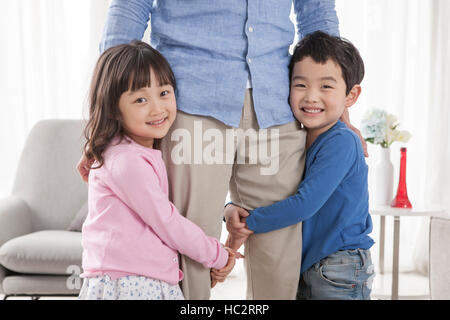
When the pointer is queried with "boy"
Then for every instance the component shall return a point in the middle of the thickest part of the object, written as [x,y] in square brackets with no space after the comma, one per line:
[332,200]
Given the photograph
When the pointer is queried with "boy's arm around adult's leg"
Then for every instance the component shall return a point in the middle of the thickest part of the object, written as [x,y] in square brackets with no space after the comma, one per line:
[331,164]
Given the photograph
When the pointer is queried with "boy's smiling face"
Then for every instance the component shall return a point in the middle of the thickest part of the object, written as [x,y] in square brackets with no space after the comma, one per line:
[318,94]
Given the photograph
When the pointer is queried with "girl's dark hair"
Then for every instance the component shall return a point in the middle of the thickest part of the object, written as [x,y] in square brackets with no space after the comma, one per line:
[119,69]
[321,47]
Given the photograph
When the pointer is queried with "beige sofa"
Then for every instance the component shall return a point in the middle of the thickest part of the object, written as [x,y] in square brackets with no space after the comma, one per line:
[38,256]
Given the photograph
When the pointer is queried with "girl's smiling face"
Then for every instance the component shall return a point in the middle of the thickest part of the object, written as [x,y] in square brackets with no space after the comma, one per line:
[148,113]
[317,96]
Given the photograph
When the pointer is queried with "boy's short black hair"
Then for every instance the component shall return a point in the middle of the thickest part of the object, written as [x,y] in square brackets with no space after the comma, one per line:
[321,47]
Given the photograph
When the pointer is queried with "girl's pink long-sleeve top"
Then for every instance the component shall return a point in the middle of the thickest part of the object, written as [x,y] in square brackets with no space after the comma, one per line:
[132,228]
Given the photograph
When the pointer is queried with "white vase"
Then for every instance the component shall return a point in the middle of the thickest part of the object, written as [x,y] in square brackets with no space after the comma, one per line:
[384,178]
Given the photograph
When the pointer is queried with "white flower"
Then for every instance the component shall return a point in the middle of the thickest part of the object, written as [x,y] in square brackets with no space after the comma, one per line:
[391,121]
[379,127]
[391,135]
[403,136]
[374,125]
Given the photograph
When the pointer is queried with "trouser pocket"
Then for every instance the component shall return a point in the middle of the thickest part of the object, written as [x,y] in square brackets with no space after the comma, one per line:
[339,275]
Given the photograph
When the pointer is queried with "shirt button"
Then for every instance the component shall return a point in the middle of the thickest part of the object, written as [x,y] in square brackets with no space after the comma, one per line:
[249,60]
[250,29]
[174,259]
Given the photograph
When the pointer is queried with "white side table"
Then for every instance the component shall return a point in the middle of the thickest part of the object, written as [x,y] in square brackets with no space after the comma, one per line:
[416,211]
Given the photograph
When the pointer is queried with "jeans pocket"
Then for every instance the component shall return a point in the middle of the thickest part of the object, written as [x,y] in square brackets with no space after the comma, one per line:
[341,275]
[367,278]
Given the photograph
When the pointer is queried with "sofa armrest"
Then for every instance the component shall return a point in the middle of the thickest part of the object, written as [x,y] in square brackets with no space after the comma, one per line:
[15,219]
[439,262]
[3,274]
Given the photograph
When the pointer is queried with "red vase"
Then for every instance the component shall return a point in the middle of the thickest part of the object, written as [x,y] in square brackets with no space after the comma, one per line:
[401,199]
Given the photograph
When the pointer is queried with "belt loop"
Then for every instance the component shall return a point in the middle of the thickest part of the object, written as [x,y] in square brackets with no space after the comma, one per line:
[362,254]
[316,266]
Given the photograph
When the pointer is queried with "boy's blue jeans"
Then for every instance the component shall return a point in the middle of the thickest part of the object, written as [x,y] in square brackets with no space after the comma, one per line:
[343,275]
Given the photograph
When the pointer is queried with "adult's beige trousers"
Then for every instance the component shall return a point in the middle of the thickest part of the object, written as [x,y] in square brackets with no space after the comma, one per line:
[205,160]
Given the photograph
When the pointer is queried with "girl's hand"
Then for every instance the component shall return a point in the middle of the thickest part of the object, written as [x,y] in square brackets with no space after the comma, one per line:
[83,167]
[221,275]
[213,282]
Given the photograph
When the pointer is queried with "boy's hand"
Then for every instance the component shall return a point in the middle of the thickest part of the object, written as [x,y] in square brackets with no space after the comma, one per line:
[221,274]
[83,168]
[235,219]
[346,119]
[235,243]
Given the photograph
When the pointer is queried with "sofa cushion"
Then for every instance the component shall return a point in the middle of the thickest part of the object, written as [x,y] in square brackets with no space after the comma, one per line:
[40,285]
[77,222]
[43,252]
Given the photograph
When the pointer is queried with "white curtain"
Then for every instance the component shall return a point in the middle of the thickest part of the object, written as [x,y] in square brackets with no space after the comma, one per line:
[48,49]
[405,45]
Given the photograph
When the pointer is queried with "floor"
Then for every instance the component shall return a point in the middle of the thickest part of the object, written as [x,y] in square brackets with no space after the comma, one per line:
[412,285]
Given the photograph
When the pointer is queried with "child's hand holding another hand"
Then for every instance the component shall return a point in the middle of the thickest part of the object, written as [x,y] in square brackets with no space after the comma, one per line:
[238,232]
[219,275]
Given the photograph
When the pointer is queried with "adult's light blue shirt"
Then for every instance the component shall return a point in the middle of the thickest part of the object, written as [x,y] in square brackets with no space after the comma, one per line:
[213,46]
[332,200]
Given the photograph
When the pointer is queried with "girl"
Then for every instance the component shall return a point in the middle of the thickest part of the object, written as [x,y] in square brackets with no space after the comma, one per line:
[132,233]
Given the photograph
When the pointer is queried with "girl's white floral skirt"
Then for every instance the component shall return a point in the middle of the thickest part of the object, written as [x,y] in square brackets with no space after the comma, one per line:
[128,288]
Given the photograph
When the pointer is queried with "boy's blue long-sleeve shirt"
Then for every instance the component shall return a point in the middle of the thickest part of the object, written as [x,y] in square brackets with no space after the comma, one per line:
[332,200]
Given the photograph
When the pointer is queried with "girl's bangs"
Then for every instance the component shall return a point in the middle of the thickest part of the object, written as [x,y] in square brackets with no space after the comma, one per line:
[140,75]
